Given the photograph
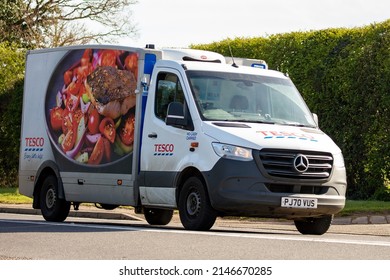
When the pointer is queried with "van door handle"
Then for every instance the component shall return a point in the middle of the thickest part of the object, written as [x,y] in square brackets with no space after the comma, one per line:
[152,135]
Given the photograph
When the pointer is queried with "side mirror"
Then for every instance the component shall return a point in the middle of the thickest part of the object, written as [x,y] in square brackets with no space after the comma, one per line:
[315,117]
[175,115]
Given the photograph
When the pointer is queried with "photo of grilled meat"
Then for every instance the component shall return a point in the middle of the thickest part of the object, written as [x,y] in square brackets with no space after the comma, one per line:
[111,91]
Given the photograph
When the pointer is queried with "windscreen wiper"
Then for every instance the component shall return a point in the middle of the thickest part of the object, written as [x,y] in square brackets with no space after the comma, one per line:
[251,121]
[298,125]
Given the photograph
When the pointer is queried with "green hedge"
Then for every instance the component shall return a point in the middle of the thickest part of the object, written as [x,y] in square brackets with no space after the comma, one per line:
[344,76]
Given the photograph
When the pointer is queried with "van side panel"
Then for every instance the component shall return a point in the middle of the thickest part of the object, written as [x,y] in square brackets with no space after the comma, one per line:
[95,167]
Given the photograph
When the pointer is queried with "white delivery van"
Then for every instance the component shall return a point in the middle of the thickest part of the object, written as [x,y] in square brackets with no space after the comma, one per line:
[170,129]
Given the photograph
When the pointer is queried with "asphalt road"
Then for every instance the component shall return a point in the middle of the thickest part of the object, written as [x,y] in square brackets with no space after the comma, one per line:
[29,237]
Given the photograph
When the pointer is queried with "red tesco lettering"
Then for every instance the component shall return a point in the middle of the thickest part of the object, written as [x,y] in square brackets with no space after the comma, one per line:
[285,134]
[164,148]
[35,141]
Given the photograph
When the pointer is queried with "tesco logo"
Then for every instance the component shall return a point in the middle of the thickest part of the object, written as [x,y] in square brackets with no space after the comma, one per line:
[34,141]
[164,148]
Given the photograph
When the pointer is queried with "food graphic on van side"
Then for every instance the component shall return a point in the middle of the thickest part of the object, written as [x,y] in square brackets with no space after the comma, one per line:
[90,105]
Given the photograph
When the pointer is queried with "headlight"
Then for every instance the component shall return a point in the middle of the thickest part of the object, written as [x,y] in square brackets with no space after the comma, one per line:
[338,160]
[232,152]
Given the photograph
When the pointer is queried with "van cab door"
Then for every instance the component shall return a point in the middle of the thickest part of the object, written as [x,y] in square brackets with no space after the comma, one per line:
[163,146]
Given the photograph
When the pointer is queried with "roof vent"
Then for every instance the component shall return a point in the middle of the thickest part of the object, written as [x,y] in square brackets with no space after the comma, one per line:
[149,46]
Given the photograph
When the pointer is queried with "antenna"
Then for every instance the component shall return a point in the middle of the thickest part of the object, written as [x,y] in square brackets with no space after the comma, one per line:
[231,54]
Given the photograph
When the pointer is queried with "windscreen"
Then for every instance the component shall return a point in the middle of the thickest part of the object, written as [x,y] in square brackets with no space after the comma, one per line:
[237,97]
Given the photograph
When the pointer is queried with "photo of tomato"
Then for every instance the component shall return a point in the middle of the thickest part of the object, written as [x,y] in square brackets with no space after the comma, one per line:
[93,121]
[68,76]
[108,58]
[69,140]
[97,153]
[107,128]
[131,62]
[56,118]
[90,106]
[67,123]
[107,149]
[127,130]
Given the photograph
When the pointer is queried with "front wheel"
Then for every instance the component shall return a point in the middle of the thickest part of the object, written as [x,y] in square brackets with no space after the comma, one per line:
[160,217]
[195,209]
[53,208]
[317,225]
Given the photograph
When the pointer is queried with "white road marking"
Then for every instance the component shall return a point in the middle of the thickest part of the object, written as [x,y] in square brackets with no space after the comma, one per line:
[319,239]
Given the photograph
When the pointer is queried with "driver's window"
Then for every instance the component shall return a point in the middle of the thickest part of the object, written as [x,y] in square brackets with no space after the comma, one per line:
[168,90]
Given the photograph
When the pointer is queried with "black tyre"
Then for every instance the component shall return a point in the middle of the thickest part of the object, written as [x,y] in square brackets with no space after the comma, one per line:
[317,226]
[159,217]
[53,209]
[195,209]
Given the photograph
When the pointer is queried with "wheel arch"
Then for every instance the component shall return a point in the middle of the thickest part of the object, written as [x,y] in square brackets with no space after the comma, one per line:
[184,175]
[47,168]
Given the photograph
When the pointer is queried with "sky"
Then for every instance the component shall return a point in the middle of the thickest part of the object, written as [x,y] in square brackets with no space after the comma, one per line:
[181,23]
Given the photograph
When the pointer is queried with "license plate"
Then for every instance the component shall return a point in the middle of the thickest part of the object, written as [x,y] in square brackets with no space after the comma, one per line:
[297,202]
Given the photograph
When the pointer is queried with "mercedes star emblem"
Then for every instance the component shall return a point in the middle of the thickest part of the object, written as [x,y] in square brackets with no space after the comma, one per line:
[301,163]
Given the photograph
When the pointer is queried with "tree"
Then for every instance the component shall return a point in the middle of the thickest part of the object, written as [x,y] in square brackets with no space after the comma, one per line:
[11,92]
[52,23]
[11,66]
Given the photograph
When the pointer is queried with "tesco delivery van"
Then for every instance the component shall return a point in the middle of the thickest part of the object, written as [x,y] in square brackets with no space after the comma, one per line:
[170,129]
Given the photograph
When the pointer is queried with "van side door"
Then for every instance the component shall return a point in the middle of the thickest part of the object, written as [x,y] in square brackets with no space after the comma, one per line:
[163,146]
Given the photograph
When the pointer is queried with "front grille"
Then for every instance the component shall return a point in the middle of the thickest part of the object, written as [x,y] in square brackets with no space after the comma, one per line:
[280,163]
[280,188]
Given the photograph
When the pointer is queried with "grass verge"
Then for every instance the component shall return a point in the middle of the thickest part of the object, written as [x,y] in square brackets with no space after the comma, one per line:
[369,207]
[12,196]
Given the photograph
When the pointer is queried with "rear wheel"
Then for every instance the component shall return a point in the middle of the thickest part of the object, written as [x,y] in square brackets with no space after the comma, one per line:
[156,216]
[195,209]
[53,208]
[317,225]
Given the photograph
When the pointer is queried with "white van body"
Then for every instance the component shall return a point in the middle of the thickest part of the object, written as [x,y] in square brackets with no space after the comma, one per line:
[173,129]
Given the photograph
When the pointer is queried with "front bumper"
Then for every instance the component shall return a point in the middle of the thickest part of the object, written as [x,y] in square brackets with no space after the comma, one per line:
[240,188]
